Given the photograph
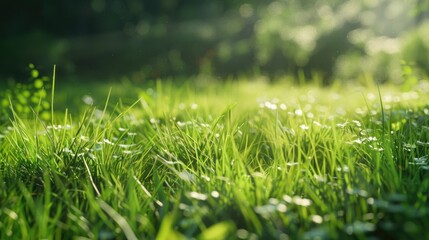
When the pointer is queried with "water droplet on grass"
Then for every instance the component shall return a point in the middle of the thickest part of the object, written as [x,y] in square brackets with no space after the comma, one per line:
[320,178]
[273,201]
[422,143]
[84,138]
[183,206]
[271,106]
[304,127]
[88,100]
[357,123]
[242,234]
[360,192]
[107,141]
[317,123]
[317,219]
[298,112]
[198,196]
[194,106]
[265,209]
[290,164]
[187,176]
[420,161]
[215,194]
[281,207]
[205,177]
[287,198]
[182,106]
[126,146]
[304,202]
[154,121]
[342,125]
[343,169]
[67,150]
[258,175]
[11,214]
[181,124]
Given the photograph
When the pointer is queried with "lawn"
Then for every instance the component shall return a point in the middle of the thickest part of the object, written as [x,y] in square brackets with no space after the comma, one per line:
[238,159]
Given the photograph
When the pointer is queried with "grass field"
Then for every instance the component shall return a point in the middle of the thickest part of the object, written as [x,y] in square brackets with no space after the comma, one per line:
[207,160]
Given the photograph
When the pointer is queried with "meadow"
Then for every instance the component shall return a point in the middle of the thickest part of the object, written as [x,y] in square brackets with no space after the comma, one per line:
[204,159]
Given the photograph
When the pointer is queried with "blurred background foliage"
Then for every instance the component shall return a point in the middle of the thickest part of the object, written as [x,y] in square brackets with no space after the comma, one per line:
[143,39]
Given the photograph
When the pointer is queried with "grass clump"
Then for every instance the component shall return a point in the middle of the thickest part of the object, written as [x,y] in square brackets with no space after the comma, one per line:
[237,160]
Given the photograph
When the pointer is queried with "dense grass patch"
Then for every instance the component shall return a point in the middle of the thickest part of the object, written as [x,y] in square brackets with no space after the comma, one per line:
[237,160]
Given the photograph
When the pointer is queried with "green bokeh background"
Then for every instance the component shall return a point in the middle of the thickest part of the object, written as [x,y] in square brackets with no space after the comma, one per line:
[142,39]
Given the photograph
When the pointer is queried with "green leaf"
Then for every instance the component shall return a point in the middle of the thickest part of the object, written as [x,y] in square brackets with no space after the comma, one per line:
[218,231]
[166,230]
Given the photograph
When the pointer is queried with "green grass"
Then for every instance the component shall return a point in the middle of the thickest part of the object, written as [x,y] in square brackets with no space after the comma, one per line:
[209,160]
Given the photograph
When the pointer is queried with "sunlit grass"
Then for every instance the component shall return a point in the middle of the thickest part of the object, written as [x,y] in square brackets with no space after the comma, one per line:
[241,159]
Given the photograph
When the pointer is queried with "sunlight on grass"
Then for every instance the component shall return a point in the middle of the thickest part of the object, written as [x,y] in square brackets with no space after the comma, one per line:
[241,159]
